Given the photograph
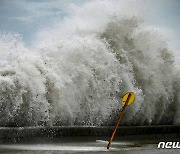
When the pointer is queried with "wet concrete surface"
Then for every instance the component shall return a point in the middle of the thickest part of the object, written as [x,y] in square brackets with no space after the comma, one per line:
[140,140]
[86,145]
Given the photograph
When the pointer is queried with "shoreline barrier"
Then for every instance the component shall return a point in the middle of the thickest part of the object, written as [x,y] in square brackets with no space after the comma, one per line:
[17,134]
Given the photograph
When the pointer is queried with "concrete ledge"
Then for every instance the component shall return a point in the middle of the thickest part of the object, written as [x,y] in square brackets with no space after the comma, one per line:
[15,134]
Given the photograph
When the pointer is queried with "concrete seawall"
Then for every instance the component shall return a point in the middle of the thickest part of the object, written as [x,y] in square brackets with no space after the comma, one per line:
[17,134]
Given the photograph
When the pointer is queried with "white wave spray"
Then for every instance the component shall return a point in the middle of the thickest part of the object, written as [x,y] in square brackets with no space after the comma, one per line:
[81,67]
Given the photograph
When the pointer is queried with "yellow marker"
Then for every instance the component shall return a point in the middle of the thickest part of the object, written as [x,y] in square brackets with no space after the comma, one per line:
[127,99]
[131,99]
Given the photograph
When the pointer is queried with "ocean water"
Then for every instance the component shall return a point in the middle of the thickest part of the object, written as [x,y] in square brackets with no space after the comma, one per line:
[76,71]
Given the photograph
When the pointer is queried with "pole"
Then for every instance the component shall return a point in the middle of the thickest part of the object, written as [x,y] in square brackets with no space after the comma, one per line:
[118,122]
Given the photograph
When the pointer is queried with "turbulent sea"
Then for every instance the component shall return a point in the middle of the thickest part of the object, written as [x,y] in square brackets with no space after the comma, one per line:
[78,70]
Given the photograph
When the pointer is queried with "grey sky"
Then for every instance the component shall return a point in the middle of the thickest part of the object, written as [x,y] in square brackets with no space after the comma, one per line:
[28,16]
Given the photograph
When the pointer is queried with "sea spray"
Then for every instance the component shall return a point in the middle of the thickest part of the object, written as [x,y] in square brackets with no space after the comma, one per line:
[76,75]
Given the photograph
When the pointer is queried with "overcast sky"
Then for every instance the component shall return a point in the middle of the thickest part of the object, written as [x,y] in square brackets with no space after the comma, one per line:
[28,16]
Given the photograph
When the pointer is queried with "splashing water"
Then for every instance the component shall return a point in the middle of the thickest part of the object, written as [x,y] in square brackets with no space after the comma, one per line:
[77,74]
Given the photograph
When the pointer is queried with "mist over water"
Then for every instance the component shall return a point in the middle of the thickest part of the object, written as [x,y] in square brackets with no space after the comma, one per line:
[78,70]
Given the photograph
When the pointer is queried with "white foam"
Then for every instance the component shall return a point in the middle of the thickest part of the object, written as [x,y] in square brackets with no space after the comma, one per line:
[79,69]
